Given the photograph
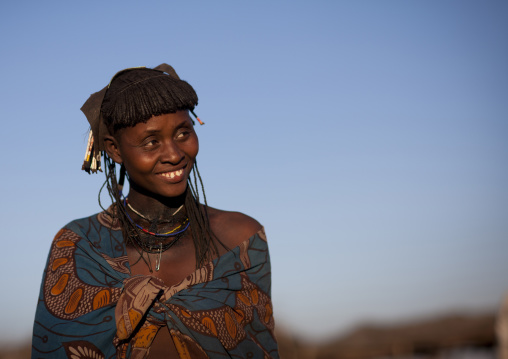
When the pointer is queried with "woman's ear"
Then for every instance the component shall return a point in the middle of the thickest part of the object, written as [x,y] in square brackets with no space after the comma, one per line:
[112,149]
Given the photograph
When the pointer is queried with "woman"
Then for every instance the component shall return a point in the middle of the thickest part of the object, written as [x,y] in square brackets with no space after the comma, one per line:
[157,274]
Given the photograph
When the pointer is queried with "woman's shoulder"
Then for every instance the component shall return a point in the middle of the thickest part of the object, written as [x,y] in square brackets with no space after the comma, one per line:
[232,228]
[94,223]
[100,231]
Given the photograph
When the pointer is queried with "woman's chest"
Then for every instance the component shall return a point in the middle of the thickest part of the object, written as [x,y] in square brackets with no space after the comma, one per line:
[173,265]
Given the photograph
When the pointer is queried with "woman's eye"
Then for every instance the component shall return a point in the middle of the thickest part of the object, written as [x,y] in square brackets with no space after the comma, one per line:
[150,143]
[182,134]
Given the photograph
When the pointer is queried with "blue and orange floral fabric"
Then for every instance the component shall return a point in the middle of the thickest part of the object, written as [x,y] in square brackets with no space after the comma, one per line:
[91,307]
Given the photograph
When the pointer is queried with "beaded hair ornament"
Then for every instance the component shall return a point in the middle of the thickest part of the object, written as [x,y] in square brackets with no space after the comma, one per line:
[98,129]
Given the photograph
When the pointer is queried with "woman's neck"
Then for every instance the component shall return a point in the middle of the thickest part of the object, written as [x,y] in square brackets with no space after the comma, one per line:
[154,207]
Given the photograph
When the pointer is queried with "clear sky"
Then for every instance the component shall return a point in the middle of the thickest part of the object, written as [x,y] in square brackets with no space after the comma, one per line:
[369,137]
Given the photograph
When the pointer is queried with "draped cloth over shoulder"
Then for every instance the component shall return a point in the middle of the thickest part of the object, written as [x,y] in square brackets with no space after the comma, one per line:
[90,305]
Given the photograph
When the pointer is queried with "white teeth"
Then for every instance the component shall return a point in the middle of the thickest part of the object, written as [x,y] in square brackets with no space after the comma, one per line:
[173,174]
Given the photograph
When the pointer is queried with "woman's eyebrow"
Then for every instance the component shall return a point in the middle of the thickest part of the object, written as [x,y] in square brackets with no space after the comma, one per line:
[152,130]
[156,130]
[183,124]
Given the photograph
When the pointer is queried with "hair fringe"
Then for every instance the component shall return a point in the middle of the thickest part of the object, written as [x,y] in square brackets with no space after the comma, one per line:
[131,100]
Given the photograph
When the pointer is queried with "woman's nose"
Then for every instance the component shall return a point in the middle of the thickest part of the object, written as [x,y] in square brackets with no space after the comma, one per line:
[171,153]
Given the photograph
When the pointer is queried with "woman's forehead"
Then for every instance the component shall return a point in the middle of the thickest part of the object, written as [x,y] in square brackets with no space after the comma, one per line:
[159,123]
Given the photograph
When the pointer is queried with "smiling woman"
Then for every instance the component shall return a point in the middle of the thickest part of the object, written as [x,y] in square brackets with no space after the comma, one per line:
[158,274]
[157,155]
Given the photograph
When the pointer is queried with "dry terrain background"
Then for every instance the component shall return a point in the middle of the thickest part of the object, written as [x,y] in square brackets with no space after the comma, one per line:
[451,336]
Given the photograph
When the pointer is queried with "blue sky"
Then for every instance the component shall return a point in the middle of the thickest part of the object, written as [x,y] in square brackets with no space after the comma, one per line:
[369,137]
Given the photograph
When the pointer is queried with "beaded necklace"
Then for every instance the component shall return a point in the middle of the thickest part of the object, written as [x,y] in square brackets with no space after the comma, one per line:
[148,219]
[171,233]
[156,244]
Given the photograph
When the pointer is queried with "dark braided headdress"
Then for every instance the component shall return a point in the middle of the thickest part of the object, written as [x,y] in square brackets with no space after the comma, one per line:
[139,94]
[133,96]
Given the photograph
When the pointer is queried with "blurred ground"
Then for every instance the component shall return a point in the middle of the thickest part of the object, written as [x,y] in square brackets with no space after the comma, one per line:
[447,337]
[452,336]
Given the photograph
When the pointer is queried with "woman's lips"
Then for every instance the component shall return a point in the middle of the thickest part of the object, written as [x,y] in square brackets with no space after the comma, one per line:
[173,176]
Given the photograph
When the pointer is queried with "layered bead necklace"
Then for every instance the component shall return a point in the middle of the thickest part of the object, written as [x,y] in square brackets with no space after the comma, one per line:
[155,243]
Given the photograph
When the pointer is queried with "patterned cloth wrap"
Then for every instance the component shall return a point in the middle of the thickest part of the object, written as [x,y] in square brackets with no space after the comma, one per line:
[91,307]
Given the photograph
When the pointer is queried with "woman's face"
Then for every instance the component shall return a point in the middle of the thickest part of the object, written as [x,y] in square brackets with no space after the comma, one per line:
[158,155]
